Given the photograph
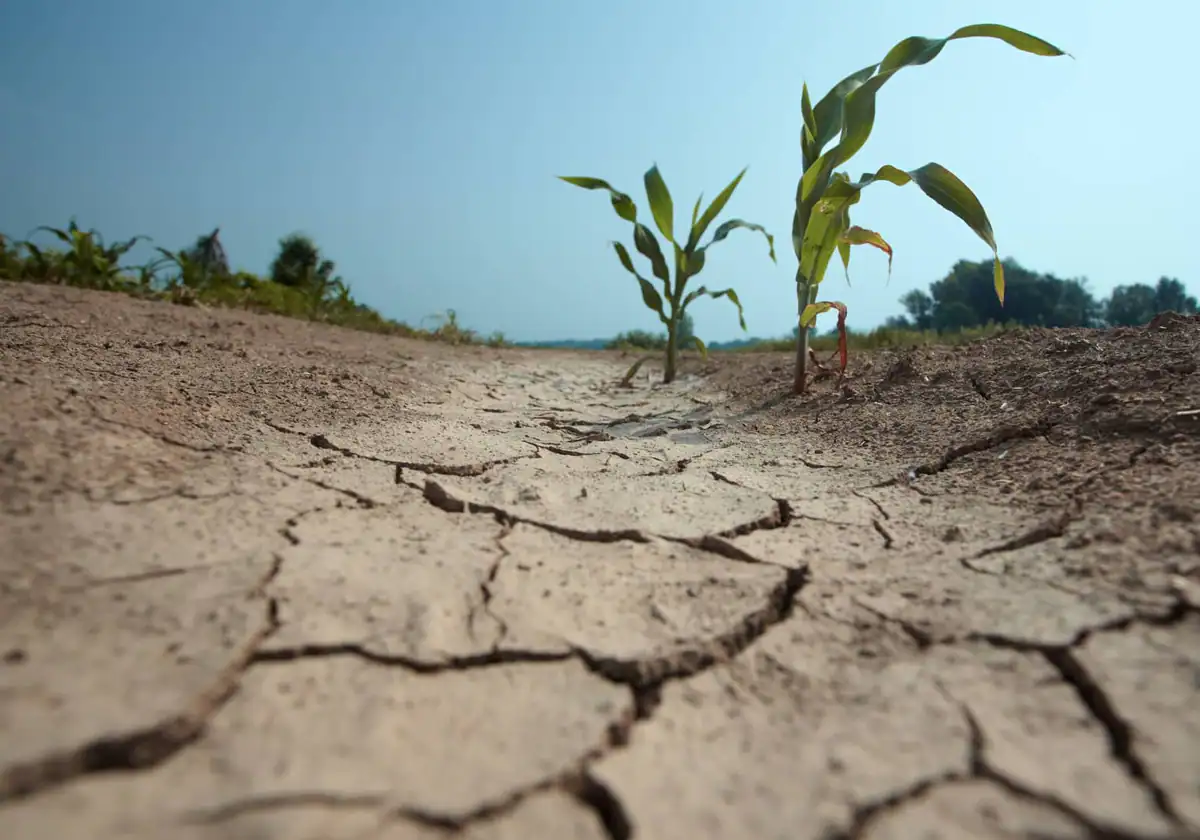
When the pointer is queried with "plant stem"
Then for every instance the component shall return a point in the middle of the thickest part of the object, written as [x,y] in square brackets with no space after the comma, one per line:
[672,351]
[805,292]
[801,371]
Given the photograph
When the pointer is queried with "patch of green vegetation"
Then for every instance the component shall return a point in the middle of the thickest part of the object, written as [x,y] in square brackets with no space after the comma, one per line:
[302,283]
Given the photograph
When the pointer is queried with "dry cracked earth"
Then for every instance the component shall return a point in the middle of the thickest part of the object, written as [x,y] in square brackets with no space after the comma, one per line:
[268,579]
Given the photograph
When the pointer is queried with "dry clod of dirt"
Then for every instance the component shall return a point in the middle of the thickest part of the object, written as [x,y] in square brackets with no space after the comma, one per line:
[264,578]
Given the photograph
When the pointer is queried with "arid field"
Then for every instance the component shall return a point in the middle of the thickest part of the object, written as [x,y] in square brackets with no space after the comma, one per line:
[266,578]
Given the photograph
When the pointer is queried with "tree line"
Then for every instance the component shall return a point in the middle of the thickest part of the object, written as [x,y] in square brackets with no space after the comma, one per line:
[964,299]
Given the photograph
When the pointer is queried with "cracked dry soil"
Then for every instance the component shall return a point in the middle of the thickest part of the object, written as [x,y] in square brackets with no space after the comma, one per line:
[267,579]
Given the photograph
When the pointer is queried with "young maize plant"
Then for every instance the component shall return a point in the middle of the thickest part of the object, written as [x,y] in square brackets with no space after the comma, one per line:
[689,257]
[821,223]
[88,261]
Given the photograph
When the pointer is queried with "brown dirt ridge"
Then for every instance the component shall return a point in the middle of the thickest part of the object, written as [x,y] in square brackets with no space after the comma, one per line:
[263,578]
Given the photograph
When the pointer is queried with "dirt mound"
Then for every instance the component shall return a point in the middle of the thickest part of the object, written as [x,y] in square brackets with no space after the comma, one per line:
[1127,381]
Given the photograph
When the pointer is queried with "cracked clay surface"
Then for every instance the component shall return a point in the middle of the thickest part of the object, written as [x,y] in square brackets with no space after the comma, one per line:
[268,579]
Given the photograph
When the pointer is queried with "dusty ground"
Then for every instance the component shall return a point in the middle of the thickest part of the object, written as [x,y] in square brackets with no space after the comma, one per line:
[263,579]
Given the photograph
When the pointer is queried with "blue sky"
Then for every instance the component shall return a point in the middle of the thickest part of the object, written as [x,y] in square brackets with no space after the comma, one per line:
[417,142]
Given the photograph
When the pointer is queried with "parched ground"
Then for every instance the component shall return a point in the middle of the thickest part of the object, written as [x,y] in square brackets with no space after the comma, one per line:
[266,579]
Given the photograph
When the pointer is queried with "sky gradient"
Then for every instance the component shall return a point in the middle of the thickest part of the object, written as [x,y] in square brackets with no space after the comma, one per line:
[418,142]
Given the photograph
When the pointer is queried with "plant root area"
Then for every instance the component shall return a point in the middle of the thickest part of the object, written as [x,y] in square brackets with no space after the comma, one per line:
[263,578]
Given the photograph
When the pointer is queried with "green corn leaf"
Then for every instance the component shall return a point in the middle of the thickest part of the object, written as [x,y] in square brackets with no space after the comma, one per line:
[806,112]
[697,258]
[916,50]
[700,345]
[828,112]
[798,222]
[732,295]
[858,106]
[661,206]
[64,235]
[809,316]
[692,295]
[724,293]
[647,245]
[819,250]
[844,252]
[696,209]
[712,211]
[944,187]
[622,204]
[725,228]
[650,295]
[121,248]
[825,229]
[694,264]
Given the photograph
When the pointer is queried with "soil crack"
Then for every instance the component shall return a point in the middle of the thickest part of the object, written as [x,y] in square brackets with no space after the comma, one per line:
[606,805]
[1120,734]
[358,498]
[1041,533]
[150,746]
[888,540]
[487,659]
[443,499]
[648,674]
[989,441]
[485,593]
[981,769]
[321,441]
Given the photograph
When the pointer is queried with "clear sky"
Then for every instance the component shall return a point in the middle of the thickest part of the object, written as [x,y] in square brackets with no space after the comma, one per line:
[417,142]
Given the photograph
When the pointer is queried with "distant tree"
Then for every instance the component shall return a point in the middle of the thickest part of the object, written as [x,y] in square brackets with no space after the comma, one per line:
[685,332]
[1131,306]
[1135,304]
[209,254]
[965,298]
[1170,294]
[299,264]
[919,306]
[1075,305]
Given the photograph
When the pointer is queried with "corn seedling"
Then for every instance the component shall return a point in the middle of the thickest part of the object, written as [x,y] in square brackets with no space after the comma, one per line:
[670,305]
[87,261]
[821,223]
[191,273]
